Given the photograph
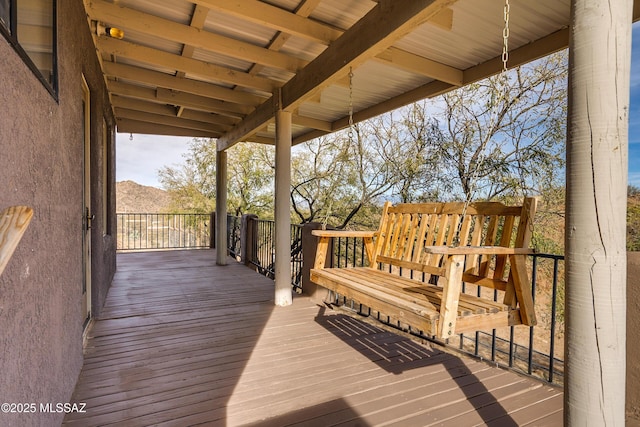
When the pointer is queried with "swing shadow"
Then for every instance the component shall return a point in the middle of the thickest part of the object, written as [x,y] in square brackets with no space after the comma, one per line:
[399,354]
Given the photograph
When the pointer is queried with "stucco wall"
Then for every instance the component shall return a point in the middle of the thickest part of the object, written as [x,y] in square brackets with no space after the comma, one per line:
[41,157]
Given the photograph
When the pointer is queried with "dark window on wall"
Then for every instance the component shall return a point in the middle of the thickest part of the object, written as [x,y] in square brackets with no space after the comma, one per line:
[30,27]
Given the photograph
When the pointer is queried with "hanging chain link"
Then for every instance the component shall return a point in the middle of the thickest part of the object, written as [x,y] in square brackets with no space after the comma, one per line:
[505,37]
[350,104]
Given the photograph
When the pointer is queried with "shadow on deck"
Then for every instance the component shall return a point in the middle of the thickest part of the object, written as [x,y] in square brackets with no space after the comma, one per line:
[185,342]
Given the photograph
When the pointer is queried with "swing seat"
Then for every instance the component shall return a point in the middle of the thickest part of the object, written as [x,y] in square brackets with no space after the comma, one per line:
[423,258]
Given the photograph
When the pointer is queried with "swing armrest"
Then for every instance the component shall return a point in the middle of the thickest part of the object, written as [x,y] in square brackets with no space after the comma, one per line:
[477,250]
[344,233]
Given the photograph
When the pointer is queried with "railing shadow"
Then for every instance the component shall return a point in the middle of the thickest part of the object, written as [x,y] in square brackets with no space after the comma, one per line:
[398,354]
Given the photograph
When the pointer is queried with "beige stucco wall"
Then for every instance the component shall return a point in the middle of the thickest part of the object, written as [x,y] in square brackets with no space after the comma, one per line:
[41,157]
[633,334]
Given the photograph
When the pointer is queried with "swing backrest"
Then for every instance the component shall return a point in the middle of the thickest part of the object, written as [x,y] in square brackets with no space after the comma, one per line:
[407,229]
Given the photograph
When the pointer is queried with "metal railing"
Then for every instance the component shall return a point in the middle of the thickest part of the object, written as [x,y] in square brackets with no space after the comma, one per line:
[148,231]
[264,250]
[233,235]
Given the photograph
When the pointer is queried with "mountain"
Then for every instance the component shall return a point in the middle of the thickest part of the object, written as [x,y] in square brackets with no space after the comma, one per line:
[136,198]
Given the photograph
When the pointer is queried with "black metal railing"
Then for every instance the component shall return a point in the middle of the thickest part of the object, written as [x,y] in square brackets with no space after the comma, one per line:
[148,231]
[263,253]
[233,235]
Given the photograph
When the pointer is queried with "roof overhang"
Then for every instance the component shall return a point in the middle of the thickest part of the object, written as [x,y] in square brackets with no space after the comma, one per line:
[222,68]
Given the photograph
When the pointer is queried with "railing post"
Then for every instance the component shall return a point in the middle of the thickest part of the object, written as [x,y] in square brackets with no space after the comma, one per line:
[309,246]
[248,236]
[212,230]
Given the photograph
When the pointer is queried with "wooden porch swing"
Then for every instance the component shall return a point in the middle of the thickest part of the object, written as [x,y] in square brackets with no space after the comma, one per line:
[422,253]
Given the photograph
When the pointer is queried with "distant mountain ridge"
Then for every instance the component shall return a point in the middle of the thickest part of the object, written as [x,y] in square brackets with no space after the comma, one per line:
[132,197]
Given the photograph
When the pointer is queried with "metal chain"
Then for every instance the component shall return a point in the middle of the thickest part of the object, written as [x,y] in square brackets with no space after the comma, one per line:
[505,37]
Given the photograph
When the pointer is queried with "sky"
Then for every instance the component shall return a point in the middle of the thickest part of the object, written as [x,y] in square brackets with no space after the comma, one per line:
[140,159]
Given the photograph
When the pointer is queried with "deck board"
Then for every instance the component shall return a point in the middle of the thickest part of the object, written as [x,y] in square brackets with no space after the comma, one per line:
[184,342]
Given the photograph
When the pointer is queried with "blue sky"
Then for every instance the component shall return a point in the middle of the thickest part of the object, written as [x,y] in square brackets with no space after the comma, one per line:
[139,160]
[634,110]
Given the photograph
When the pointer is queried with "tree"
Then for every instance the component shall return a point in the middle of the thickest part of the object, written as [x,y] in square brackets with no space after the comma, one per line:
[505,134]
[192,184]
[409,140]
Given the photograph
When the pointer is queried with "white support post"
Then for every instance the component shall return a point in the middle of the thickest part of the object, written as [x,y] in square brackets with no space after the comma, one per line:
[221,208]
[283,295]
[597,153]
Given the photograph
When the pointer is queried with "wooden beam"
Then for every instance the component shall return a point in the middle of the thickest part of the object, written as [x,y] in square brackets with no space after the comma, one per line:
[198,18]
[304,9]
[311,123]
[167,110]
[260,140]
[249,125]
[275,18]
[166,120]
[121,48]
[375,32]
[443,19]
[421,65]
[126,18]
[527,53]
[135,126]
[165,96]
[167,81]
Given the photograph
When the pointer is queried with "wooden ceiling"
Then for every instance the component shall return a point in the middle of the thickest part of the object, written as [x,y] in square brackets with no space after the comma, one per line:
[221,68]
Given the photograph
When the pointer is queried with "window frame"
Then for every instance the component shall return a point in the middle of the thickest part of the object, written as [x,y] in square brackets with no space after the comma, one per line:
[11,35]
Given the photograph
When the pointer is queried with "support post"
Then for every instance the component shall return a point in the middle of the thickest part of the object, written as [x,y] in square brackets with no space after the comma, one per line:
[309,252]
[597,154]
[283,295]
[212,230]
[221,208]
[248,236]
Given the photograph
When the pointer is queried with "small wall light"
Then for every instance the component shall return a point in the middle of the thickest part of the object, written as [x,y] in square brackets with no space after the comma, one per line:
[114,32]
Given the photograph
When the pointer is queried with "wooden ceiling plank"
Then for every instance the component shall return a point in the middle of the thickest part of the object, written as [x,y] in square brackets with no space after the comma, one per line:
[164,120]
[527,53]
[421,65]
[311,123]
[136,126]
[202,116]
[275,18]
[305,8]
[142,105]
[198,18]
[165,96]
[176,62]
[167,81]
[126,18]
[167,110]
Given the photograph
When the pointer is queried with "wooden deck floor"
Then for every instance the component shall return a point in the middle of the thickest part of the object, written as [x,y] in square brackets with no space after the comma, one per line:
[184,342]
